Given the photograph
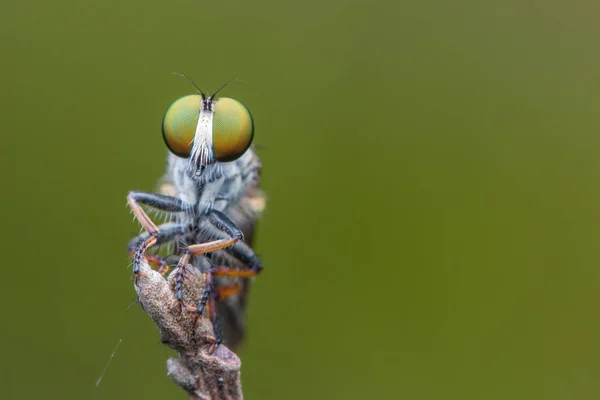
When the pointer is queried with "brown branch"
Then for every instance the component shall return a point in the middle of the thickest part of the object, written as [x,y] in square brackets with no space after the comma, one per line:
[202,374]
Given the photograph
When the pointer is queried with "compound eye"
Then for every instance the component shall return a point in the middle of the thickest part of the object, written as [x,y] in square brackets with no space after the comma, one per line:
[179,124]
[233,129]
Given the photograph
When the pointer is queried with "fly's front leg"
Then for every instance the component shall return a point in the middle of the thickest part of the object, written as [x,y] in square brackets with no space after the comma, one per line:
[239,249]
[166,233]
[223,223]
[160,202]
[244,253]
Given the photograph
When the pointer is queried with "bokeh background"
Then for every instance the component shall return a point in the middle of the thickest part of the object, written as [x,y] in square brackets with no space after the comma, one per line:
[433,176]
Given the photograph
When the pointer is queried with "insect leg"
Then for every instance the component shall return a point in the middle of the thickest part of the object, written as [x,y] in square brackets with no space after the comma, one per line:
[206,294]
[218,293]
[208,303]
[179,278]
[239,249]
[160,202]
[166,233]
[245,253]
[212,312]
[215,324]
[223,223]
[224,292]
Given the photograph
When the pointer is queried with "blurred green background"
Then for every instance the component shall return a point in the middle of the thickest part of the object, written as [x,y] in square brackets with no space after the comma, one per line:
[432,170]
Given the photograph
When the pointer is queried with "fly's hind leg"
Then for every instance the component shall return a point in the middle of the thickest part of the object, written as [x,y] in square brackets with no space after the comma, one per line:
[159,202]
[223,292]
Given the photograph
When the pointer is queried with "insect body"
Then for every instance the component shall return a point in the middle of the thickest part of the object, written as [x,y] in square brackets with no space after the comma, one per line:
[213,201]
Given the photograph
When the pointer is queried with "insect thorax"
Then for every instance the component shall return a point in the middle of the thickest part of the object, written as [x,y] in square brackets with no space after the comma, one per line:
[220,186]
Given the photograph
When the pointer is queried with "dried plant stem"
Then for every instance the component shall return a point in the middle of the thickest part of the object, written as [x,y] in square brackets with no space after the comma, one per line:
[203,374]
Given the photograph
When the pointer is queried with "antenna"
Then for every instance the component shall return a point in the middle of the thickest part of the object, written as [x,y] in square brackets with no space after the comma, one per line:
[212,96]
[194,84]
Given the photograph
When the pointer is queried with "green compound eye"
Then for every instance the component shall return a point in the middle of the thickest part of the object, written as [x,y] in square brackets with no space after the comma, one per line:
[233,129]
[179,124]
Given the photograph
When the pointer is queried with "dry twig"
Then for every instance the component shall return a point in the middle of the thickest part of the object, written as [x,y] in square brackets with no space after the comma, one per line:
[202,374]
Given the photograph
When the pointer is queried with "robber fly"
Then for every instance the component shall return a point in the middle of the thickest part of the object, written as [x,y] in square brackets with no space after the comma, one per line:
[212,201]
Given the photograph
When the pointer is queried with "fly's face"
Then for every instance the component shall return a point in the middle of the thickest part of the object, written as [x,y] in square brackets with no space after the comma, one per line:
[207,130]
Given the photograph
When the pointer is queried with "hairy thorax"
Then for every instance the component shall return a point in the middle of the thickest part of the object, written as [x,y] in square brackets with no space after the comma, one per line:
[221,185]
